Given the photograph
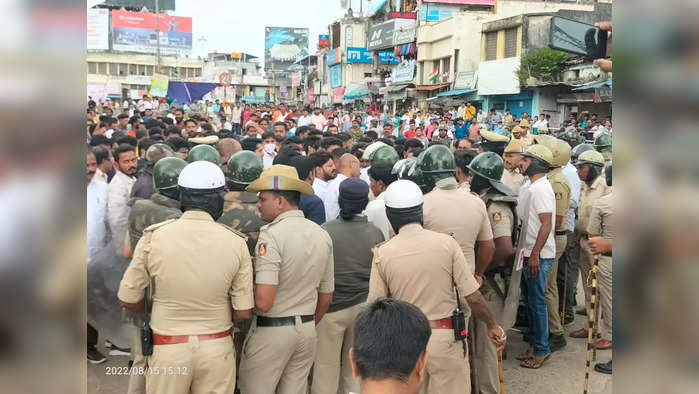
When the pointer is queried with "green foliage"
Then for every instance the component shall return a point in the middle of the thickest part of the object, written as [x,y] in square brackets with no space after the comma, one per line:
[544,65]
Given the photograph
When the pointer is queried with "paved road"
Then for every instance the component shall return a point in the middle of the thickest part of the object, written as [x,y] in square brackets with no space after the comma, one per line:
[564,372]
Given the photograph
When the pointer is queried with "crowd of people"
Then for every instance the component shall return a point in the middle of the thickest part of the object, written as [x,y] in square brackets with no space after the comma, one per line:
[273,246]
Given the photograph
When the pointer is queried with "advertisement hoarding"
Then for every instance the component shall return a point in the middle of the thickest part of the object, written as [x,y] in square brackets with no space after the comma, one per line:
[333,57]
[136,32]
[97,28]
[283,46]
[381,36]
[363,55]
[405,72]
[323,41]
[336,76]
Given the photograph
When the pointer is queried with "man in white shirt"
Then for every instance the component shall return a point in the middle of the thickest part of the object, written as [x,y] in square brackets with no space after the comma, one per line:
[120,192]
[304,119]
[348,167]
[536,206]
[380,177]
[96,209]
[325,171]
[237,118]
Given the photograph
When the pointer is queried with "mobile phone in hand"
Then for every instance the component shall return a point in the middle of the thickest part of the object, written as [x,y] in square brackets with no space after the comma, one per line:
[577,37]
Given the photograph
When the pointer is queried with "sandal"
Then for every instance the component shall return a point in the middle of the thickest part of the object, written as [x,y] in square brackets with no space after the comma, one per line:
[526,355]
[533,363]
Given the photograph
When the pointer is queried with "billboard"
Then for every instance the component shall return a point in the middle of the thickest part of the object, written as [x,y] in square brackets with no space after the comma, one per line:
[139,4]
[362,55]
[97,28]
[382,36]
[323,41]
[283,46]
[135,32]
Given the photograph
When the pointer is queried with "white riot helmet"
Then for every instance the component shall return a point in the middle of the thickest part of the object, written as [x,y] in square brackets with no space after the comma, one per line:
[403,203]
[201,185]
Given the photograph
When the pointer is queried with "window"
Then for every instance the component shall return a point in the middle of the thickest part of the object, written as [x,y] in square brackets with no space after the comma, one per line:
[446,63]
[123,69]
[133,69]
[511,42]
[367,75]
[91,68]
[113,69]
[198,72]
[141,69]
[456,61]
[421,71]
[149,70]
[491,45]
[102,68]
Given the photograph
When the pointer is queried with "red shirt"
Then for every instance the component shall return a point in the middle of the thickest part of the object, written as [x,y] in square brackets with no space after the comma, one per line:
[246,117]
[409,134]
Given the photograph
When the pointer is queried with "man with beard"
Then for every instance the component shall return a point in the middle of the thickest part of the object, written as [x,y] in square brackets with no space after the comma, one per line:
[325,171]
[120,192]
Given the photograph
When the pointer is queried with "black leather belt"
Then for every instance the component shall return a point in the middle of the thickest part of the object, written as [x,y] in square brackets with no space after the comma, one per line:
[561,232]
[263,321]
[608,254]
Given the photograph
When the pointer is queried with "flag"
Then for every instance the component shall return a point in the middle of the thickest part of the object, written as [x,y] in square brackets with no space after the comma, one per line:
[434,75]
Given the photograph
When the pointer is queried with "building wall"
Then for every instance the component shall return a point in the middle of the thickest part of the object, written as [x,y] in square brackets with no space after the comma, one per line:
[463,31]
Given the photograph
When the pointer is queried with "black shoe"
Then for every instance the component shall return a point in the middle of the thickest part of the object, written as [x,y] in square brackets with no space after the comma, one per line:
[94,356]
[604,367]
[556,342]
[569,319]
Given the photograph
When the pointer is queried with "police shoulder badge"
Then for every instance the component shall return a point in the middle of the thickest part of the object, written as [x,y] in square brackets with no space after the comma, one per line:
[558,196]
[497,217]
[261,249]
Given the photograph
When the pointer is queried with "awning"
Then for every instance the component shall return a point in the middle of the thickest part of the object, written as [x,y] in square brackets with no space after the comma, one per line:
[595,85]
[433,87]
[356,93]
[455,92]
[397,87]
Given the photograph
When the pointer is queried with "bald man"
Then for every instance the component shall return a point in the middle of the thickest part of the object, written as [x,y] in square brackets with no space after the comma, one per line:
[348,166]
[227,147]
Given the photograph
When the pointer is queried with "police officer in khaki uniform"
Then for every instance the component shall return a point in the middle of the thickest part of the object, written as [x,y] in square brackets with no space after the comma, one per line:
[511,177]
[466,218]
[500,201]
[492,142]
[524,133]
[601,225]
[294,281]
[561,189]
[163,205]
[192,346]
[590,165]
[424,267]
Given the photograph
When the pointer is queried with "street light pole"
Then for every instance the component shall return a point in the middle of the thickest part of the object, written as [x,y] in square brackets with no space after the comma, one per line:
[157,34]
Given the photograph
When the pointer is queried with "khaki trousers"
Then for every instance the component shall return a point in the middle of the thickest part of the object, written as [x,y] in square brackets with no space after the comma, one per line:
[137,380]
[192,367]
[555,327]
[448,369]
[485,355]
[277,359]
[332,371]
[604,285]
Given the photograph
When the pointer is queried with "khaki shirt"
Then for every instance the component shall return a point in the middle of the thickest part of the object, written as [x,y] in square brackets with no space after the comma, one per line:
[296,255]
[561,189]
[421,267]
[601,218]
[502,220]
[199,269]
[588,196]
[512,179]
[466,218]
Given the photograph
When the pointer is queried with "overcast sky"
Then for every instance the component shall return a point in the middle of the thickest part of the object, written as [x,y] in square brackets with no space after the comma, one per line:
[238,25]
